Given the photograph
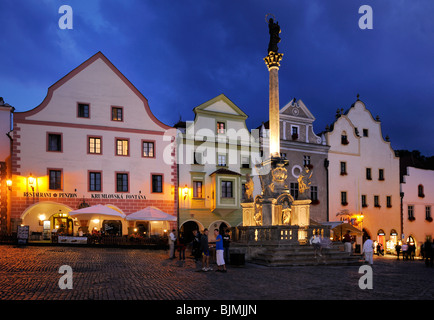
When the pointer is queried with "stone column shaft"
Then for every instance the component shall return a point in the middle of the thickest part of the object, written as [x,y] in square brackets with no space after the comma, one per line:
[273,63]
[274,122]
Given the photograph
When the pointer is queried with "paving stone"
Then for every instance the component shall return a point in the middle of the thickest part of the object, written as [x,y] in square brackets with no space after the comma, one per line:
[32,273]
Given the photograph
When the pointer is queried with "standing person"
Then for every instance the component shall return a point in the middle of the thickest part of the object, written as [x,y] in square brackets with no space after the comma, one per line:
[411,250]
[204,248]
[172,240]
[347,242]
[398,249]
[368,250]
[315,240]
[196,245]
[226,242]
[181,247]
[404,251]
[219,251]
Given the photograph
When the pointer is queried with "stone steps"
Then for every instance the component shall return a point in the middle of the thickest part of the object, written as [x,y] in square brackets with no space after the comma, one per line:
[303,255]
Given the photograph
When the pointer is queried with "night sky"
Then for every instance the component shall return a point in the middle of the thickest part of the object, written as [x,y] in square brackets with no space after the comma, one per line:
[181,53]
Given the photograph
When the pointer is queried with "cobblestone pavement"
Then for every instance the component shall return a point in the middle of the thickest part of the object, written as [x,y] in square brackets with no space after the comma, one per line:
[32,273]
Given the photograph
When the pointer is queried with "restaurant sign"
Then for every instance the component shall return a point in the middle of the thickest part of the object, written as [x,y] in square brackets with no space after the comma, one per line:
[92,195]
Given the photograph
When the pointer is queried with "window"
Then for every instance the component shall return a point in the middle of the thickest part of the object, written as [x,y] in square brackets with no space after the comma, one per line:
[389,201]
[245,163]
[343,168]
[197,189]
[314,194]
[410,211]
[117,114]
[428,213]
[221,160]
[148,149]
[293,189]
[55,179]
[377,201]
[94,145]
[226,189]
[368,174]
[420,193]
[364,204]
[306,161]
[344,139]
[157,183]
[221,127]
[294,132]
[283,155]
[94,181]
[381,174]
[83,110]
[365,132]
[197,158]
[121,182]
[122,147]
[344,201]
[54,142]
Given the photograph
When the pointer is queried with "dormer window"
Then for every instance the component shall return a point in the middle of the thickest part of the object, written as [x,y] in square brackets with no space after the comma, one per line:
[344,138]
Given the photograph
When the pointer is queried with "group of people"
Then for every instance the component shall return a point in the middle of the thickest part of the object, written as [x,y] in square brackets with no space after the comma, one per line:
[408,251]
[201,248]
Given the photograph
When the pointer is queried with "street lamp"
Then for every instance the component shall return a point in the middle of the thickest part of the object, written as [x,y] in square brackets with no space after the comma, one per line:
[9,184]
[31,181]
[185,191]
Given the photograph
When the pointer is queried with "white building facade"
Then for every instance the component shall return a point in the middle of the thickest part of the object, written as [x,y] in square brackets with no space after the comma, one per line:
[364,176]
[93,140]
[214,157]
[417,204]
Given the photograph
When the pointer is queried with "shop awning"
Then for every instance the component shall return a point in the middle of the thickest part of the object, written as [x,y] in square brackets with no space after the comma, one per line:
[344,227]
[150,214]
[97,211]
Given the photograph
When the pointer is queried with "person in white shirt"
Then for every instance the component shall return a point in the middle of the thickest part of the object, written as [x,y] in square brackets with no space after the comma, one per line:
[368,250]
[315,241]
[172,240]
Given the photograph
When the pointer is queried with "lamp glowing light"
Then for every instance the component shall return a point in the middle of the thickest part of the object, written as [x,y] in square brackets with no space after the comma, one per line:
[95,220]
[185,191]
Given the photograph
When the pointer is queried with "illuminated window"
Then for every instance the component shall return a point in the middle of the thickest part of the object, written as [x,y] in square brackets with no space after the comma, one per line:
[221,127]
[95,145]
[122,147]
[117,114]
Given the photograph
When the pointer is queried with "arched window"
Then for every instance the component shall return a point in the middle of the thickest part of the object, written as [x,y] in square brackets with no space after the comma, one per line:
[420,191]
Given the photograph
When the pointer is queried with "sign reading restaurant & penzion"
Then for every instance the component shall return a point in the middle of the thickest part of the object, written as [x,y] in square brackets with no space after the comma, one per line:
[92,195]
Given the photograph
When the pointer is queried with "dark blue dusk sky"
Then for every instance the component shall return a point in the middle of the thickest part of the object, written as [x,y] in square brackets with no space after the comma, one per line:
[182,53]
